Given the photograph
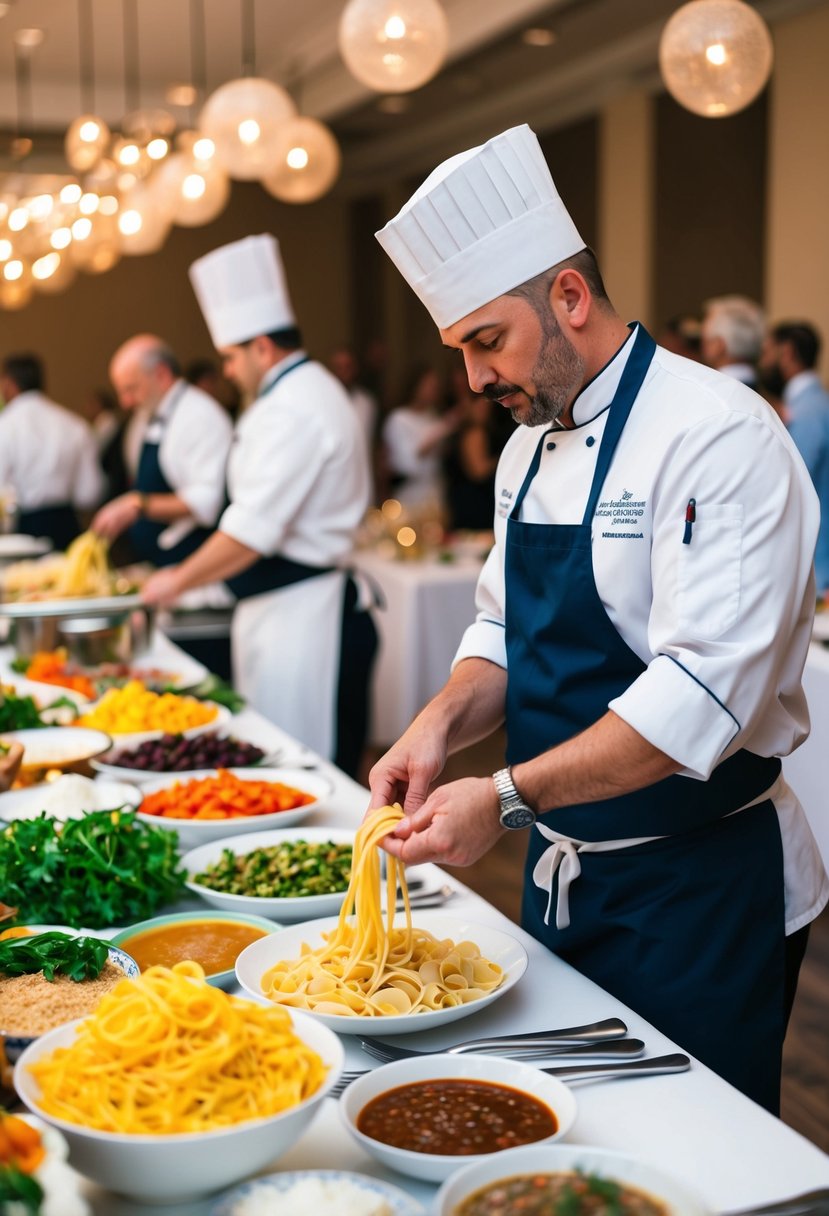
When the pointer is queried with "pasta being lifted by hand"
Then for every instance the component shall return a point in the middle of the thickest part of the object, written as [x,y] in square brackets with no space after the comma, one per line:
[367,967]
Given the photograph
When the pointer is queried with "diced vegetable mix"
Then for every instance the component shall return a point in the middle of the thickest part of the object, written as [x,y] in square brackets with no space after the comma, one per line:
[289,870]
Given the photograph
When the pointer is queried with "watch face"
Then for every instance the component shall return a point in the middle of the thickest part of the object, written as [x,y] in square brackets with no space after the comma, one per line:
[519,817]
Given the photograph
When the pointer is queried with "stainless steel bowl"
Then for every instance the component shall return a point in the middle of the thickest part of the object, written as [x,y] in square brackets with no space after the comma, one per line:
[117,637]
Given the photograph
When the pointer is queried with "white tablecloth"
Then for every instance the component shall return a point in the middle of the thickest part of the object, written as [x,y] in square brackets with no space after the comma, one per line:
[428,605]
[693,1125]
[806,770]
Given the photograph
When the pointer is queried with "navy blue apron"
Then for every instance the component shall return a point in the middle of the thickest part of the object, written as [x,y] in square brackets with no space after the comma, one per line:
[150,479]
[59,522]
[687,930]
[358,636]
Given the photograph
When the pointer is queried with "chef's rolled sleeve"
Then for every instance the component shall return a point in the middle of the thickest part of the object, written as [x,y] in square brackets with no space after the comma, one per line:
[248,528]
[483,640]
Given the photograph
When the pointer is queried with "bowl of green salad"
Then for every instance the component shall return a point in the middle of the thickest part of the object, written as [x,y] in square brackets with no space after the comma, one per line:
[288,874]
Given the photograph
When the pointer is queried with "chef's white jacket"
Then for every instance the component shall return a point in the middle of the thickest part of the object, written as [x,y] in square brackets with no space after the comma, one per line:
[723,624]
[48,454]
[299,486]
[194,434]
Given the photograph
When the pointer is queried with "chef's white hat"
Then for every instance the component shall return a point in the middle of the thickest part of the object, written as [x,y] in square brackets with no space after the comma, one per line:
[242,291]
[482,223]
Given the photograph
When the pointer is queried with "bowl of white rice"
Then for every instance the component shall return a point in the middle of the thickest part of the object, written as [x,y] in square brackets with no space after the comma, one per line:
[321,1192]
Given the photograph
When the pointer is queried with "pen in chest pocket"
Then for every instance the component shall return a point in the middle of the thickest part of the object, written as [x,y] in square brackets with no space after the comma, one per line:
[690,518]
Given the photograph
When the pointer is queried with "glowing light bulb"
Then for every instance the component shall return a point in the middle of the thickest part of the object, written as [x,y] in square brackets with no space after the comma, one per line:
[249,130]
[5,250]
[130,222]
[18,219]
[157,149]
[41,206]
[89,131]
[81,229]
[716,54]
[13,270]
[204,149]
[46,266]
[193,186]
[297,158]
[60,238]
[395,27]
[130,154]
[71,193]
[89,203]
[108,205]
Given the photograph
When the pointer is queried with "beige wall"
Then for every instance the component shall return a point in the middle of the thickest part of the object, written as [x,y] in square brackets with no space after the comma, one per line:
[77,331]
[797,250]
[626,189]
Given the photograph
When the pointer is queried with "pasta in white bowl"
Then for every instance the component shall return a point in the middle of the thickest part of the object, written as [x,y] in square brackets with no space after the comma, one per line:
[494,947]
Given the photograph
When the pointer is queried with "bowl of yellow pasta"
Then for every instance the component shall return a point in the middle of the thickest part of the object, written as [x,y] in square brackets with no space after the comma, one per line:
[217,1086]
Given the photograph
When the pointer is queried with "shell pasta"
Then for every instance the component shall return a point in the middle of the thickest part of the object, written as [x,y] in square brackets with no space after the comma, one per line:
[162,1054]
[369,967]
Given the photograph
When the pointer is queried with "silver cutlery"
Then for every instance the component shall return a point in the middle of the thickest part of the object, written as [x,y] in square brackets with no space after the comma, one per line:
[591,1032]
[429,899]
[609,1049]
[578,1072]
[812,1203]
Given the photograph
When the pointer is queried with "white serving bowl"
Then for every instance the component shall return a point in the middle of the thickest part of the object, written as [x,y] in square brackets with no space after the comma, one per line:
[272,1186]
[282,908]
[16,1044]
[27,803]
[58,746]
[217,979]
[436,1167]
[133,738]
[193,832]
[181,1167]
[494,945]
[549,1159]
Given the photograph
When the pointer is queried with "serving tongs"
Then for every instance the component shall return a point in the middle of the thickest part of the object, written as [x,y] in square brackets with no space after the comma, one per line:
[538,1042]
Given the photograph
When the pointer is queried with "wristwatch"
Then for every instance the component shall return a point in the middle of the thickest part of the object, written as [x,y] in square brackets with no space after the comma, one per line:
[514,811]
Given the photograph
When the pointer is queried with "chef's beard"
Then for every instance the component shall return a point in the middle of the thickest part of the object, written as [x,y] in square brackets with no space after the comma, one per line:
[558,374]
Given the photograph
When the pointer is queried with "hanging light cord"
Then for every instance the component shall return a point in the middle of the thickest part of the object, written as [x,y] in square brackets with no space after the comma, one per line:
[86,54]
[131,77]
[198,59]
[248,38]
[23,90]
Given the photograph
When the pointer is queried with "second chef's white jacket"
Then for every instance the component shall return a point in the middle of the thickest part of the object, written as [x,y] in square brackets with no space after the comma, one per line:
[723,624]
[48,454]
[299,486]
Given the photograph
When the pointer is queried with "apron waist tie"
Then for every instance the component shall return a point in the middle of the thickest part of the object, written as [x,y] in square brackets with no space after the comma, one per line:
[563,856]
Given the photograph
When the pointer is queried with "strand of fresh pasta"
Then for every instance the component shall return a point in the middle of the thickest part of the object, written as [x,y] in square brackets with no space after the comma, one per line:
[366,965]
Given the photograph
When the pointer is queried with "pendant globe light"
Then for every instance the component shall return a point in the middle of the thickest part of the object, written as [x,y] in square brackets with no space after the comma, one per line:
[196,185]
[243,117]
[15,284]
[144,219]
[52,272]
[306,164]
[100,249]
[393,46]
[88,136]
[715,56]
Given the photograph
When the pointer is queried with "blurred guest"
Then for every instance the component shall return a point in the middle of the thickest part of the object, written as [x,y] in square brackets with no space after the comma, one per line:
[185,439]
[681,336]
[733,328]
[414,435]
[109,425]
[343,363]
[787,367]
[472,457]
[207,375]
[47,455]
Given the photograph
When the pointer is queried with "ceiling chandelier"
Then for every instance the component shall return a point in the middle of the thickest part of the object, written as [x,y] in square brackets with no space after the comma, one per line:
[393,46]
[715,56]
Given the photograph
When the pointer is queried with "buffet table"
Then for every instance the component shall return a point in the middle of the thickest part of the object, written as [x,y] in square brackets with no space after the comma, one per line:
[693,1125]
[426,606]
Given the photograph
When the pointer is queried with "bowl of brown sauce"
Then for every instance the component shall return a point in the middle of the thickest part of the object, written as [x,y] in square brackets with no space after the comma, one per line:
[427,1115]
[214,940]
[577,1179]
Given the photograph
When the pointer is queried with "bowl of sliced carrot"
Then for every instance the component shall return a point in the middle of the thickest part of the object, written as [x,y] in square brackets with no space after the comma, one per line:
[207,805]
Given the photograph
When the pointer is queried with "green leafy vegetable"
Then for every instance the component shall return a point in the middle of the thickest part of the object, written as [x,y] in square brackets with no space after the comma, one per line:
[103,869]
[81,958]
[20,664]
[19,1193]
[18,713]
[213,688]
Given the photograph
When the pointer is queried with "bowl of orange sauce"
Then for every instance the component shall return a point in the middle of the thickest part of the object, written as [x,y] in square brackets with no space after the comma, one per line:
[212,939]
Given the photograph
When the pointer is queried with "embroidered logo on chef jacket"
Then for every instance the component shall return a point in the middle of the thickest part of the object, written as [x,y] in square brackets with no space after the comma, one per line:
[504,503]
[622,514]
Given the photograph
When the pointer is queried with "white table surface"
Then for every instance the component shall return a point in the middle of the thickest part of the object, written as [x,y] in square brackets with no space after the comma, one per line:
[693,1125]
[428,605]
[806,769]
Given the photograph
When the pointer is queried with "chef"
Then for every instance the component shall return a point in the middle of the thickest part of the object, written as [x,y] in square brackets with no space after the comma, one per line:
[298,486]
[184,442]
[643,623]
[48,455]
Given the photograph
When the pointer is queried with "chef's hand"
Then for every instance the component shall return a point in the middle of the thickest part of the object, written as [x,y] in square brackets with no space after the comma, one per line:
[456,825]
[162,589]
[116,516]
[406,772]
[9,765]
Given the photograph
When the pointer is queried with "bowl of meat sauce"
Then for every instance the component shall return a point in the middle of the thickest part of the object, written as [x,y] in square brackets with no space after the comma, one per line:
[564,1178]
[427,1115]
